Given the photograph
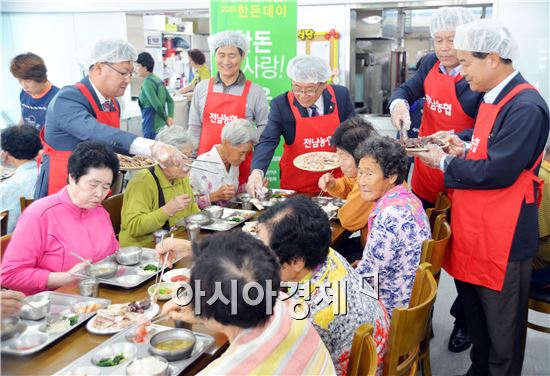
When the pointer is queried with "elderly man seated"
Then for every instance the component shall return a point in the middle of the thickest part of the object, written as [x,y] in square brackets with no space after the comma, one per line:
[221,182]
[238,278]
[20,146]
[157,197]
[299,232]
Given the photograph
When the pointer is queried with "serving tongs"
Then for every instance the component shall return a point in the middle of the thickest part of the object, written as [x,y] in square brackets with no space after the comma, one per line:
[402,132]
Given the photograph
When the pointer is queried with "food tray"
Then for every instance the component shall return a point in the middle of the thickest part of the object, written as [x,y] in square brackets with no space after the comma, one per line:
[129,277]
[225,224]
[283,193]
[60,304]
[203,343]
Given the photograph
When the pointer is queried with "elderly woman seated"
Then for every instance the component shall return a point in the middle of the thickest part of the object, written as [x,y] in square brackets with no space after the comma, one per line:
[354,214]
[238,278]
[299,232]
[38,256]
[220,185]
[397,224]
[157,197]
[20,146]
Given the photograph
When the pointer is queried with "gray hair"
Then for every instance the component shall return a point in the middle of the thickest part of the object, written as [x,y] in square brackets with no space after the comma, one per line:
[175,136]
[238,132]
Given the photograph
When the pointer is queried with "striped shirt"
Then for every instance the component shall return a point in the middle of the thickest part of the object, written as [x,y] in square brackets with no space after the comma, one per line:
[283,346]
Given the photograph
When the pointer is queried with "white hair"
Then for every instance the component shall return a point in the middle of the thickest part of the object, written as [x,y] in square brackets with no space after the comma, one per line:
[175,136]
[238,132]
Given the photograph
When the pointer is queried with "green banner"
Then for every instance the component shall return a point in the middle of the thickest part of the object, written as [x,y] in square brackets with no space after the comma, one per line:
[270,26]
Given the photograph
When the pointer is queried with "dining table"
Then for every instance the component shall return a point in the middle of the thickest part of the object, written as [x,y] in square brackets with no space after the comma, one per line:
[79,342]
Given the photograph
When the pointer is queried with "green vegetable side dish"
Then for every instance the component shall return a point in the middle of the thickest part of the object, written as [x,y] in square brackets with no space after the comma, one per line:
[72,319]
[165,291]
[235,219]
[109,362]
[150,268]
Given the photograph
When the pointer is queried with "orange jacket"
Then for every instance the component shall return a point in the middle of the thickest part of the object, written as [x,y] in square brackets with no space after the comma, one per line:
[354,215]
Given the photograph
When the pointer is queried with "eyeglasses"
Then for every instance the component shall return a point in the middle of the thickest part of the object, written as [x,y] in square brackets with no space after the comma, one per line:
[308,91]
[123,74]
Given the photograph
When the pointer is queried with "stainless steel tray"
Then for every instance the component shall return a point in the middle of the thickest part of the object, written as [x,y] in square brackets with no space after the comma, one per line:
[60,304]
[225,223]
[132,276]
[203,343]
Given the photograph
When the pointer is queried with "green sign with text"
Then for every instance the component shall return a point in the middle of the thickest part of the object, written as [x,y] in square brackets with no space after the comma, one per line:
[270,26]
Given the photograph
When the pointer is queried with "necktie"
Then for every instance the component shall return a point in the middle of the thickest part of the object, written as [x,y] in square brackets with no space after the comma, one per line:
[107,106]
[314,111]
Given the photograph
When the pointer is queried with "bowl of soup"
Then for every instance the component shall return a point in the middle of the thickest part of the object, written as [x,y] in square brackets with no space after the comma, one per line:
[173,344]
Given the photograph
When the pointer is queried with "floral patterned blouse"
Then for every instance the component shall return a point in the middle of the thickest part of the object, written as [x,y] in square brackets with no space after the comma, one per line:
[397,227]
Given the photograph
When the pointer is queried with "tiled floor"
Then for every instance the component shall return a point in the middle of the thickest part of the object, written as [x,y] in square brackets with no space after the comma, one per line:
[446,363]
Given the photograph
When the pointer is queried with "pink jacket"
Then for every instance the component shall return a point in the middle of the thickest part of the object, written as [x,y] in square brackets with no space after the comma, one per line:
[46,233]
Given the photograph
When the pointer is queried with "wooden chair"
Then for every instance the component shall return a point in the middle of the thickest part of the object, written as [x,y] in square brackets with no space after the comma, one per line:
[4,241]
[363,360]
[442,206]
[4,217]
[433,252]
[113,205]
[25,202]
[539,301]
[408,325]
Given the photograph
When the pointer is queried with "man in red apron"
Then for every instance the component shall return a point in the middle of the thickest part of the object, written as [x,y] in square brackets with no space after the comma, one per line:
[89,110]
[306,117]
[494,212]
[226,97]
[449,105]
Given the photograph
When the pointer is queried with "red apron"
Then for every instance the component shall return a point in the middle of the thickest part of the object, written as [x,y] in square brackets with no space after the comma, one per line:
[312,134]
[219,109]
[57,177]
[442,112]
[484,221]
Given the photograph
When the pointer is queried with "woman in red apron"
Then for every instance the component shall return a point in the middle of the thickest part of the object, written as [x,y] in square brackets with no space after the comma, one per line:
[442,112]
[59,158]
[309,130]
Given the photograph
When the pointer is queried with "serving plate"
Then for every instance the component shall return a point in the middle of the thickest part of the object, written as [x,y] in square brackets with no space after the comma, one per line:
[317,161]
[149,312]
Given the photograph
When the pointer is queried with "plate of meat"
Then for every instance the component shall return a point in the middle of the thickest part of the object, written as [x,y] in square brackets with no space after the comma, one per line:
[317,161]
[137,162]
[116,317]
[420,144]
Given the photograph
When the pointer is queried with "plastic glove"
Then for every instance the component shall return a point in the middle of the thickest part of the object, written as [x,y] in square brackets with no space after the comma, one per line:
[326,182]
[169,156]
[432,156]
[400,116]
[255,183]
[444,136]
[457,147]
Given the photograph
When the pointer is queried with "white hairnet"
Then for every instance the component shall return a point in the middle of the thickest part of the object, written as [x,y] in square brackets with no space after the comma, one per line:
[308,69]
[228,38]
[114,50]
[487,36]
[448,18]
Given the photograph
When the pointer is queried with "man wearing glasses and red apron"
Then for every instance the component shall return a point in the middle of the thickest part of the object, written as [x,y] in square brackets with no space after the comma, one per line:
[496,190]
[306,117]
[88,110]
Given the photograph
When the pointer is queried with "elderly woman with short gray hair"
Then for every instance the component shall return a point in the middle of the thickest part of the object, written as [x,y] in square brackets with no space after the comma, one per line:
[238,138]
[157,197]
